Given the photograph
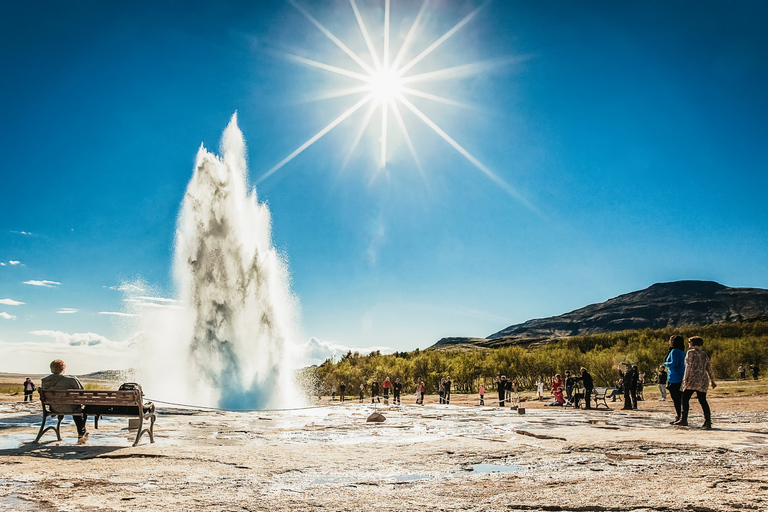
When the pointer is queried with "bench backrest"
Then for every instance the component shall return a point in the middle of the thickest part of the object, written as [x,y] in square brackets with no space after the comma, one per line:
[88,397]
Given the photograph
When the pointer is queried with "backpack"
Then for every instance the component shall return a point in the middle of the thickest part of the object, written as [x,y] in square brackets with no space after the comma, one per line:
[130,386]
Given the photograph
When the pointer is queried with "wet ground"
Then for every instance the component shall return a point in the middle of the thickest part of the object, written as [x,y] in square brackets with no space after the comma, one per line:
[433,457]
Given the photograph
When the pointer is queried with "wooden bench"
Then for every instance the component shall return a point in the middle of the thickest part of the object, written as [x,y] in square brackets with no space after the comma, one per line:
[98,403]
[598,396]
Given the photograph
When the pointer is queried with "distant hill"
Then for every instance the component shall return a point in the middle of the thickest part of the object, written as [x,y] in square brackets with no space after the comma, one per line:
[659,306]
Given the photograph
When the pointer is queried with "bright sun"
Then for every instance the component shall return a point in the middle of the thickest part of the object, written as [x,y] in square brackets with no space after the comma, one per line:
[388,83]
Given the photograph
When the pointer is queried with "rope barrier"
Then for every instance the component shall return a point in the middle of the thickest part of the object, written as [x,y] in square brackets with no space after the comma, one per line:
[238,410]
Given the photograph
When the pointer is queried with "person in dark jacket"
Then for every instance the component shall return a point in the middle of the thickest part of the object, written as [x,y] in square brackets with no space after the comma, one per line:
[375,391]
[447,388]
[29,388]
[501,385]
[397,387]
[342,390]
[588,385]
[661,379]
[570,384]
[629,387]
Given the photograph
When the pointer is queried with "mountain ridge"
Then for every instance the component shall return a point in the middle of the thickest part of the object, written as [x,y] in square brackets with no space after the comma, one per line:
[661,305]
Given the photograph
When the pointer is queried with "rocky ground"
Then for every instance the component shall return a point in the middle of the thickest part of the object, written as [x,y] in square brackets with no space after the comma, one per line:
[432,457]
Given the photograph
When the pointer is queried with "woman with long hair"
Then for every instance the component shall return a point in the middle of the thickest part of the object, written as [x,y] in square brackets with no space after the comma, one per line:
[675,364]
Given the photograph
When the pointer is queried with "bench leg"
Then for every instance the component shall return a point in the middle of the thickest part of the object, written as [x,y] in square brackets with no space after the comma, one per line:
[140,431]
[56,429]
[42,426]
[96,421]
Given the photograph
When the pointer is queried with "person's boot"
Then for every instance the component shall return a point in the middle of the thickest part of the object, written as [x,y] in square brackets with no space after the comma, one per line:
[707,425]
[674,421]
[683,421]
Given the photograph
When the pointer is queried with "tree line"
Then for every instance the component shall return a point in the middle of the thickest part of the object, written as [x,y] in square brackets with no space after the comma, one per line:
[727,345]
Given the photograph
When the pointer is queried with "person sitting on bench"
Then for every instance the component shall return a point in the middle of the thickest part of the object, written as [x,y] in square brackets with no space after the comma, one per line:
[57,380]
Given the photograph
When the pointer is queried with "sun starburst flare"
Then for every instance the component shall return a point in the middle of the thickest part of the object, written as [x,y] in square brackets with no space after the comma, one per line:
[386,84]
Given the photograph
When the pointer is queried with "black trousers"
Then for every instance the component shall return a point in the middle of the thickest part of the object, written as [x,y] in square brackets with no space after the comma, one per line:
[28,394]
[587,398]
[677,396]
[701,396]
[80,423]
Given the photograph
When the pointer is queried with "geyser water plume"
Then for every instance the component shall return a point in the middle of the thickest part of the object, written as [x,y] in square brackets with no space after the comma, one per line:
[235,314]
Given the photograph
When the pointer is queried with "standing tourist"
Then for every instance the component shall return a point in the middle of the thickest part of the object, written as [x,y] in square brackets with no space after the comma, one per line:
[661,379]
[362,392]
[742,372]
[755,370]
[501,384]
[481,392]
[630,382]
[447,389]
[570,383]
[342,390]
[589,385]
[441,391]
[375,391]
[698,375]
[29,388]
[386,386]
[57,380]
[397,387]
[540,389]
[422,391]
[675,364]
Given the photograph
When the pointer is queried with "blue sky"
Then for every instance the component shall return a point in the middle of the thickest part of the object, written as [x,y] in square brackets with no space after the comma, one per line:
[635,132]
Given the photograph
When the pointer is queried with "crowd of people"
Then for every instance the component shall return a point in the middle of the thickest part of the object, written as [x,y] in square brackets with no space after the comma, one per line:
[680,375]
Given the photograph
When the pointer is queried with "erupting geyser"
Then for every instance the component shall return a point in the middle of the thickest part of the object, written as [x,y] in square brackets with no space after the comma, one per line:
[230,347]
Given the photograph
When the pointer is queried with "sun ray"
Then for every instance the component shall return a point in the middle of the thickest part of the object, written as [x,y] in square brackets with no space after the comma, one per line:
[461,71]
[367,38]
[338,93]
[409,37]
[384,111]
[332,37]
[433,97]
[406,135]
[360,132]
[385,59]
[439,41]
[466,154]
[328,67]
[351,110]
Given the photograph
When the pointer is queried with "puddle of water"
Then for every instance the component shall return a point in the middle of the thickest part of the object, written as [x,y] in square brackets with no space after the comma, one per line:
[340,479]
[16,504]
[495,468]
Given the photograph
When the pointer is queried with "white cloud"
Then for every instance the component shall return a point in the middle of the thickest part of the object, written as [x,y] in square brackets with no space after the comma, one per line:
[152,302]
[10,302]
[316,351]
[5,315]
[67,311]
[47,284]
[14,262]
[156,299]
[2,264]
[21,232]
[129,288]
[75,339]
[115,313]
